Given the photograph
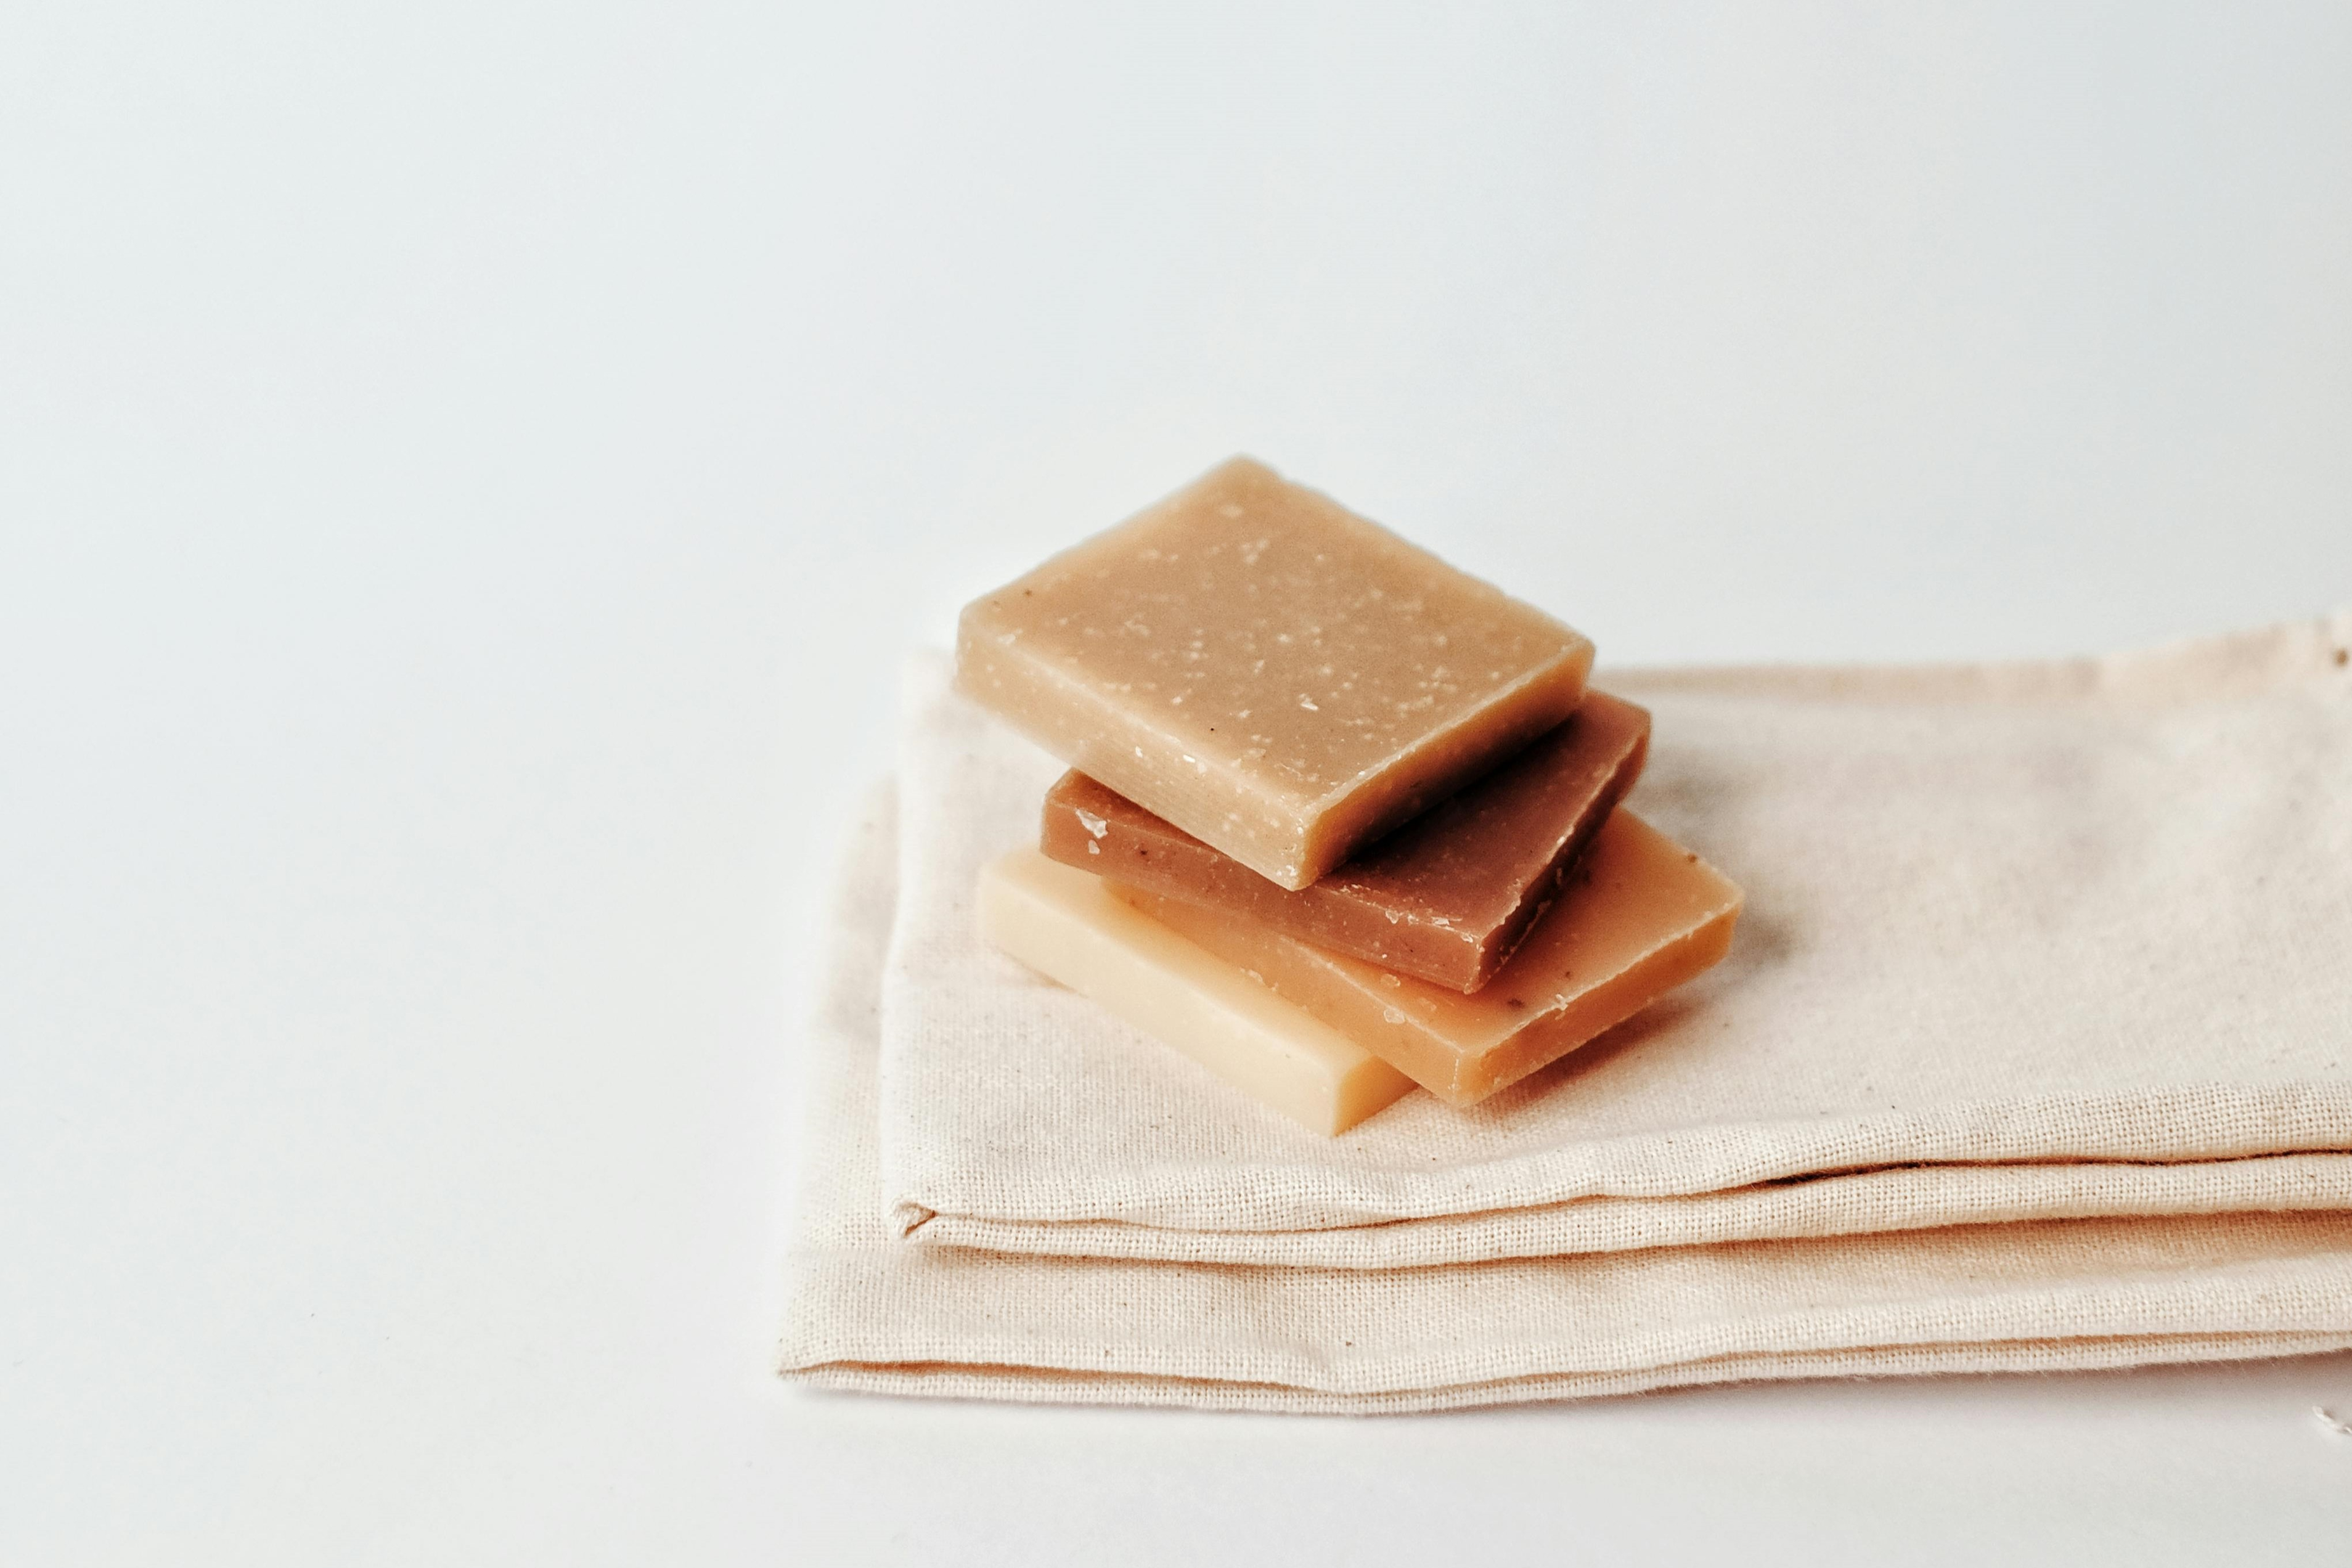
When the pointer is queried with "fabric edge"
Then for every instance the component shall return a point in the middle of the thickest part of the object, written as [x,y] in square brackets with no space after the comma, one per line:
[1016,1384]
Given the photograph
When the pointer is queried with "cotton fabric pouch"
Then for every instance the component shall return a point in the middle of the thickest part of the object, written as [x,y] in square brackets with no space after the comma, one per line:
[869,1312]
[2032,1055]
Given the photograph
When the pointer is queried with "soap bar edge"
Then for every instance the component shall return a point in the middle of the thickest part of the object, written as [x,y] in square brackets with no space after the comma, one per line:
[1360,1082]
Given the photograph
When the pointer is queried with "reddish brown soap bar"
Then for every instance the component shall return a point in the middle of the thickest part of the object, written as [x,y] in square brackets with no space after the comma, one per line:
[1445,899]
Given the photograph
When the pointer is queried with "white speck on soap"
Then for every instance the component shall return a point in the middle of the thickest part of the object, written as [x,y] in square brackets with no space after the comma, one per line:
[1093,848]
[1094,825]
[1394,1015]
[1309,704]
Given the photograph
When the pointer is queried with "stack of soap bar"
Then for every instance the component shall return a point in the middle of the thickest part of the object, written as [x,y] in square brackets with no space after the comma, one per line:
[1341,819]
[1270,672]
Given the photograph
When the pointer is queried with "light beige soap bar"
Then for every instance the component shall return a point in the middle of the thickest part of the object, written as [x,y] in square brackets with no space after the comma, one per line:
[1640,916]
[1064,924]
[1275,675]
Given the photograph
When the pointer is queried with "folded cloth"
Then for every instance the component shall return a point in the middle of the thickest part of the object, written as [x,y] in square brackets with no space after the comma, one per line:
[2023,941]
[869,1312]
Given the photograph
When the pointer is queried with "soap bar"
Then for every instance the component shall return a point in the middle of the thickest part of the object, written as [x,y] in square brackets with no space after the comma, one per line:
[1273,674]
[1065,925]
[1447,898]
[1638,916]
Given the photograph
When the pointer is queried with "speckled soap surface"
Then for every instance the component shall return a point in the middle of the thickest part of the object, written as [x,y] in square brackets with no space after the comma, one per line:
[1275,675]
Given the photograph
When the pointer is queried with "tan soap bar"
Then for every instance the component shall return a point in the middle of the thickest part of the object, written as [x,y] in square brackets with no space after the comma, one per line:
[1447,898]
[1638,916]
[1065,925]
[1273,674]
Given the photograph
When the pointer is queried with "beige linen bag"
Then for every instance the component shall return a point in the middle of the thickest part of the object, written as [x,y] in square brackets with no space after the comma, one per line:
[2065,945]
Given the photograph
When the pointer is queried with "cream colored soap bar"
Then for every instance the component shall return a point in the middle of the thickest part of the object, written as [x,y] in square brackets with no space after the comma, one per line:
[1640,915]
[1275,675]
[1065,925]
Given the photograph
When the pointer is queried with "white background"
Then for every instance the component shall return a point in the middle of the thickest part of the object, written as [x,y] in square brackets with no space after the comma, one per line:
[467,471]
